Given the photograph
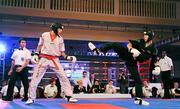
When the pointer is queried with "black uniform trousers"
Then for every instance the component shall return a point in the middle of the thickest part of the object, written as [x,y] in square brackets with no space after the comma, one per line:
[166,79]
[23,75]
[131,64]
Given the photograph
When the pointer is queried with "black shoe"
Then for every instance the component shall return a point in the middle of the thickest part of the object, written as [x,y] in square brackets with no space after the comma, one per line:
[24,99]
[71,100]
[7,99]
[97,51]
[68,98]
[140,101]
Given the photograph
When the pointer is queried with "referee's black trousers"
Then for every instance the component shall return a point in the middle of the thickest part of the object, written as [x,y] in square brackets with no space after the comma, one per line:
[131,64]
[23,75]
[166,79]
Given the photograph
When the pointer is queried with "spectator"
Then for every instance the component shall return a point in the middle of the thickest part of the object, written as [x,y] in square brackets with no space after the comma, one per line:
[92,78]
[51,89]
[176,90]
[110,89]
[96,88]
[147,91]
[160,91]
[154,92]
[79,88]
[123,83]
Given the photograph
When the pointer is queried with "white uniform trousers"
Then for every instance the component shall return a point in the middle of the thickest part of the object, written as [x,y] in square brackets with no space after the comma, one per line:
[39,72]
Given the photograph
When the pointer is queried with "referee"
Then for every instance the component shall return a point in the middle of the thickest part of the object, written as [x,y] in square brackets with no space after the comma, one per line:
[20,60]
[167,72]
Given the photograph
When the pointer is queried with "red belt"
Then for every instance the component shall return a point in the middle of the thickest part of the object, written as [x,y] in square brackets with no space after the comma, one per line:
[50,57]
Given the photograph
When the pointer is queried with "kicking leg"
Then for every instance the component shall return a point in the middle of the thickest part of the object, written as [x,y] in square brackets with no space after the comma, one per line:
[121,50]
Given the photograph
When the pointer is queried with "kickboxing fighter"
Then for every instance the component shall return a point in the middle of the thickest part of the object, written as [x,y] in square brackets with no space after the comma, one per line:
[136,51]
[50,48]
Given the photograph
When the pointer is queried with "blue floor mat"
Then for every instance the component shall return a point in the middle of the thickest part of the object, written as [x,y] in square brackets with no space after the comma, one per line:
[125,103]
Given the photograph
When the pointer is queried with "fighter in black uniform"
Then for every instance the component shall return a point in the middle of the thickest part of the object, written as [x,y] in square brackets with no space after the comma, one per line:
[136,50]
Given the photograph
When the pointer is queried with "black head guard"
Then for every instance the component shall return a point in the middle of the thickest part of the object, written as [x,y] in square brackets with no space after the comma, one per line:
[56,26]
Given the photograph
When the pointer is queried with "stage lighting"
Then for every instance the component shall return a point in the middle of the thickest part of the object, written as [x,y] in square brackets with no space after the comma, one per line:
[2,48]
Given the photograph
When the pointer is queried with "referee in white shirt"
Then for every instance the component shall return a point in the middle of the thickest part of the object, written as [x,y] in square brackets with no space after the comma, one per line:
[20,60]
[167,71]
